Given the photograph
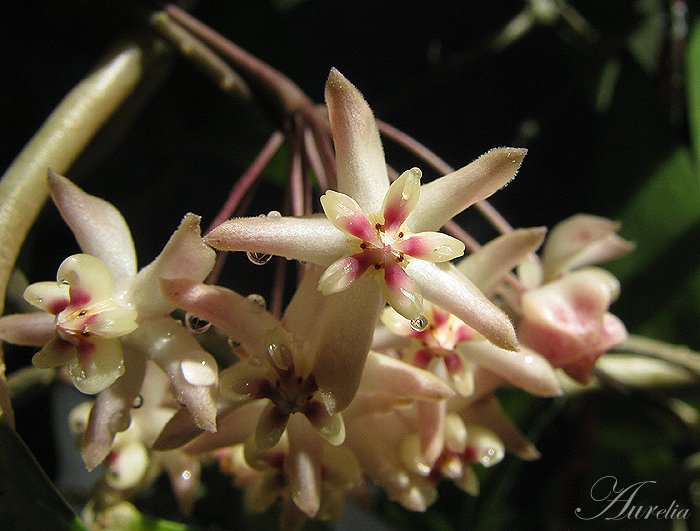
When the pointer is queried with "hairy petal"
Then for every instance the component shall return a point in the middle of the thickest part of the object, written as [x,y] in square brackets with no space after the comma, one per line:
[32,329]
[444,198]
[444,286]
[241,319]
[346,215]
[487,266]
[184,256]
[97,225]
[361,168]
[401,199]
[309,239]
[345,327]
[524,368]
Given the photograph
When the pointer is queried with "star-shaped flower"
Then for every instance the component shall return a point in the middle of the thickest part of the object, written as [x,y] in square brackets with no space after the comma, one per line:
[372,226]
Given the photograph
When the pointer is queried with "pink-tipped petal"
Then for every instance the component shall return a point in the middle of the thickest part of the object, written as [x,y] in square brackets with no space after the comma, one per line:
[243,320]
[361,168]
[582,240]
[524,368]
[431,246]
[384,374]
[487,266]
[342,273]
[401,199]
[97,225]
[303,466]
[444,286]
[442,199]
[345,327]
[401,292]
[309,239]
[346,215]
[31,329]
[184,256]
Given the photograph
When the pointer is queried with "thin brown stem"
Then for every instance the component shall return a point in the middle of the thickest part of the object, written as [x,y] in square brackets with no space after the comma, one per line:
[313,159]
[296,187]
[248,179]
[279,282]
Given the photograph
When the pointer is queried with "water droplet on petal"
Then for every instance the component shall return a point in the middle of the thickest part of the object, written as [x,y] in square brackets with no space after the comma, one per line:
[186,475]
[258,258]
[196,325]
[138,402]
[420,323]
[258,300]
[274,214]
[281,355]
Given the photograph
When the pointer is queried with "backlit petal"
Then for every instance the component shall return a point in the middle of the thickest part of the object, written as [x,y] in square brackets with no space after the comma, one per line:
[401,199]
[309,239]
[431,246]
[97,225]
[330,427]
[88,278]
[443,198]
[345,214]
[115,321]
[271,425]
[361,168]
[401,292]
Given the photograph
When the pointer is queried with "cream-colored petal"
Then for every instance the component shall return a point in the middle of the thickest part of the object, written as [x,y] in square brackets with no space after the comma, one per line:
[55,353]
[330,427]
[51,297]
[98,227]
[301,315]
[401,292]
[343,272]
[127,466]
[111,412]
[302,466]
[384,374]
[401,199]
[113,322]
[346,215]
[345,334]
[184,256]
[309,239]
[431,429]
[192,371]
[235,427]
[487,266]
[99,363]
[271,424]
[431,246]
[525,368]
[487,446]
[32,329]
[88,278]
[442,199]
[184,472]
[396,323]
[361,168]
[243,320]
[444,286]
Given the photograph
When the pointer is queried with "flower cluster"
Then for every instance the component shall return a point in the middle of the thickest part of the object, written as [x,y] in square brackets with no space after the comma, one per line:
[383,365]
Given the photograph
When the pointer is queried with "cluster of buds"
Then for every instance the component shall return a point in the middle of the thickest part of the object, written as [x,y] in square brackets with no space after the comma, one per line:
[383,365]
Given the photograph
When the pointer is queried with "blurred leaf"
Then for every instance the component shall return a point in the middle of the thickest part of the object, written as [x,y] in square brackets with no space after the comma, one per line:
[29,499]
[646,41]
[661,211]
[693,87]
[609,76]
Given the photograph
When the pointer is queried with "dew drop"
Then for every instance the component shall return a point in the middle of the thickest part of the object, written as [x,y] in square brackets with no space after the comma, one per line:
[138,402]
[196,325]
[258,300]
[274,214]
[258,258]
[233,343]
[186,475]
[420,323]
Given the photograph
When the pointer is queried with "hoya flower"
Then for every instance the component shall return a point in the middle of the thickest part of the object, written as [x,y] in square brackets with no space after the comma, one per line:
[384,231]
[105,319]
[564,313]
[89,319]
